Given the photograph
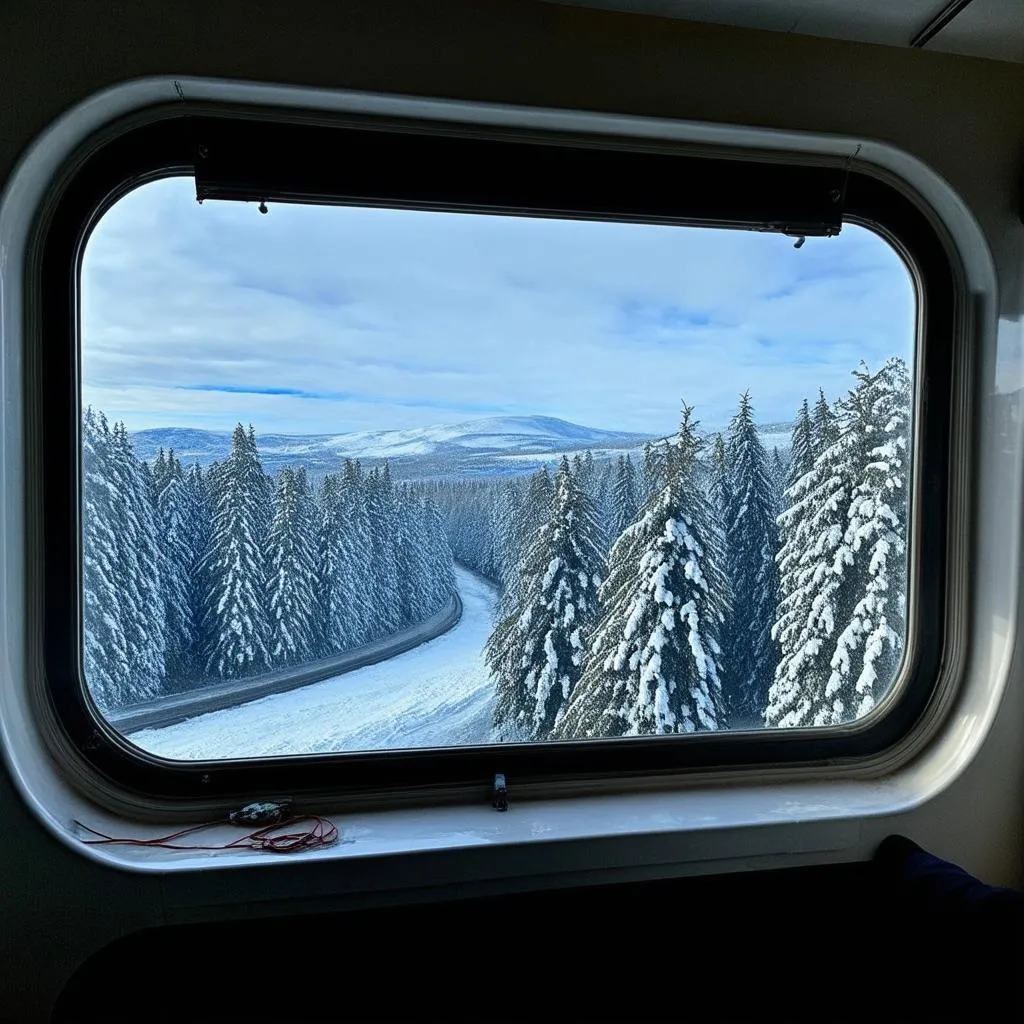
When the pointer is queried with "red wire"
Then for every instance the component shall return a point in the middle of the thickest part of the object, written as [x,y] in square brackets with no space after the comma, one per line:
[322,833]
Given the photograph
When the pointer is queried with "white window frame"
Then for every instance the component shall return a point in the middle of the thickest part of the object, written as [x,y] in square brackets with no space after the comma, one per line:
[760,818]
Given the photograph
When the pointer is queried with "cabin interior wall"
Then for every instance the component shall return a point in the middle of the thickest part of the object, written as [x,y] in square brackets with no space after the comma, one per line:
[964,117]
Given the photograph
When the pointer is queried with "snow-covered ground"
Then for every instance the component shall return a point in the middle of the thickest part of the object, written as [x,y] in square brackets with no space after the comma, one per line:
[438,694]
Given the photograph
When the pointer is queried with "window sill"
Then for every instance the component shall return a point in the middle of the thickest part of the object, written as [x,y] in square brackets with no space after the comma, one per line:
[658,832]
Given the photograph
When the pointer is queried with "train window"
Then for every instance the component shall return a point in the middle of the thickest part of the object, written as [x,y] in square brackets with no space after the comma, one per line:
[415,477]
[463,501]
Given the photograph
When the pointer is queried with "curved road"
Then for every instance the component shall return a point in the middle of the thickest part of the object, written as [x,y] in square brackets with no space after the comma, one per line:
[438,694]
[177,707]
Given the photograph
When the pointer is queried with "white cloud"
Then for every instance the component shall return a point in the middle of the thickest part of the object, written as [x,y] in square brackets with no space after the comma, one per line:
[410,319]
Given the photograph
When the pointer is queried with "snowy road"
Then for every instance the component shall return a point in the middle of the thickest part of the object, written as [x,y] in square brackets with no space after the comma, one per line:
[437,694]
[161,712]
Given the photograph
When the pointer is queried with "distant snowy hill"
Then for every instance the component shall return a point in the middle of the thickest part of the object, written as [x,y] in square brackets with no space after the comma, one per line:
[499,444]
[481,447]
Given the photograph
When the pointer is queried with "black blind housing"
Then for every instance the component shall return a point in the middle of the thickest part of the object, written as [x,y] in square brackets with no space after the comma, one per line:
[252,161]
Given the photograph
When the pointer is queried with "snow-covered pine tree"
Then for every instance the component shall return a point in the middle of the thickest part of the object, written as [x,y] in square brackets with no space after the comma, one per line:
[811,567]
[842,610]
[264,507]
[506,528]
[540,492]
[160,470]
[654,665]
[585,473]
[176,522]
[824,425]
[213,480]
[801,462]
[430,576]
[869,649]
[342,561]
[537,651]
[625,497]
[486,522]
[720,490]
[721,481]
[422,592]
[357,589]
[329,634]
[105,647]
[779,474]
[139,567]
[604,501]
[749,654]
[291,572]
[407,543]
[440,566]
[146,473]
[653,469]
[794,536]
[236,620]
[802,454]
[123,615]
[199,509]
[489,536]
[468,510]
[533,512]
[382,581]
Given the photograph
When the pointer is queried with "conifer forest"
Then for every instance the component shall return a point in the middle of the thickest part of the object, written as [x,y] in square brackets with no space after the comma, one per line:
[696,581]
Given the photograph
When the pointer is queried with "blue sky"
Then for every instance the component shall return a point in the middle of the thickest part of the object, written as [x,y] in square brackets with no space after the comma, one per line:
[329,320]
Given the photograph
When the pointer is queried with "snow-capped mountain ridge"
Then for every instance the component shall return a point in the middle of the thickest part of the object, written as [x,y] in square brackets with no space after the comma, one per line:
[475,446]
[478,447]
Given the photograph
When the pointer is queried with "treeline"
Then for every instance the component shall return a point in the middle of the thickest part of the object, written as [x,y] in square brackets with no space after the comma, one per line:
[193,575]
[488,521]
[711,587]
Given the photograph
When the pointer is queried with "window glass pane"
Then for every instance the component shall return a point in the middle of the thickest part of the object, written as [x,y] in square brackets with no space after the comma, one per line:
[357,479]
